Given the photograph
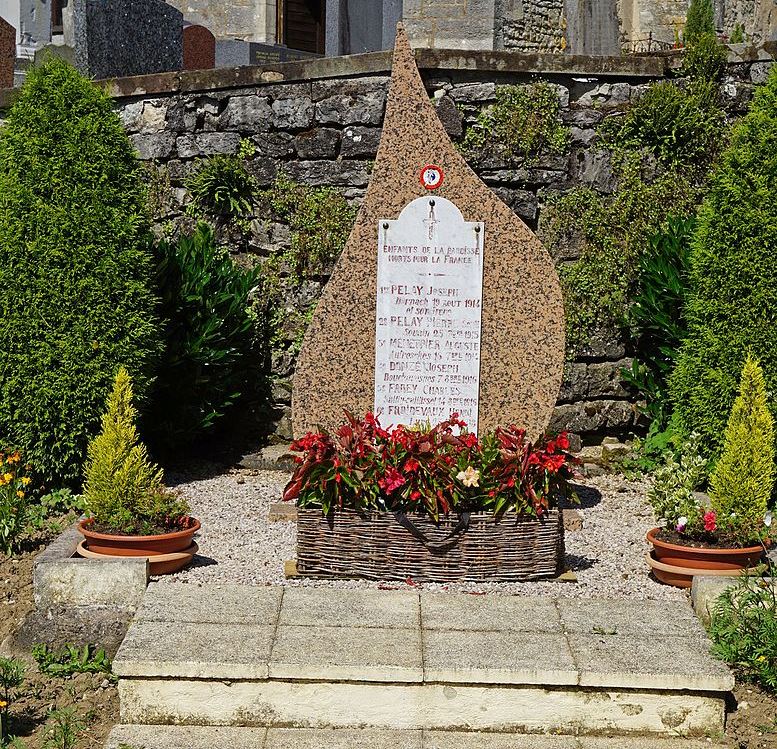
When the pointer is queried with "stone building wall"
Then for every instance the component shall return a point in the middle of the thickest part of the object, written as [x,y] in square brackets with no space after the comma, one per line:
[321,126]
[531,25]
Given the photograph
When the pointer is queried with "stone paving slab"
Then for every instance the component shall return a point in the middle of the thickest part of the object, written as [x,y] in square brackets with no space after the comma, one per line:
[489,613]
[648,662]
[344,738]
[626,617]
[347,654]
[350,608]
[195,650]
[217,737]
[212,604]
[451,740]
[186,737]
[498,657]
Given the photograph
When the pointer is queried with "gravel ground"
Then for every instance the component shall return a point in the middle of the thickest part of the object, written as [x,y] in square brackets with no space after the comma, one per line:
[239,545]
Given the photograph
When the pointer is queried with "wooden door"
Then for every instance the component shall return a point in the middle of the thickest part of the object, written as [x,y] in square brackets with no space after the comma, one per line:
[303,24]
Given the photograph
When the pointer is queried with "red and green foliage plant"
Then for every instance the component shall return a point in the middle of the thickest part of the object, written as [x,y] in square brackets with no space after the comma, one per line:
[429,470]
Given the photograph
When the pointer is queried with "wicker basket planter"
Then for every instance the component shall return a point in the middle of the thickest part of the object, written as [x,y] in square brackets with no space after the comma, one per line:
[384,546]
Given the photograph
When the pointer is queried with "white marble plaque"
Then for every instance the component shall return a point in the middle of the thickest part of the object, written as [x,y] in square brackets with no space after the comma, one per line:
[427,333]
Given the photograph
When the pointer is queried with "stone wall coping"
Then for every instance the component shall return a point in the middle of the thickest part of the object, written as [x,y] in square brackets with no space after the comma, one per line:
[186,81]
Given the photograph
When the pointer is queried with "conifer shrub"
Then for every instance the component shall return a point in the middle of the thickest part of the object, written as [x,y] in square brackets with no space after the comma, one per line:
[731,309]
[211,357]
[699,21]
[741,484]
[75,270]
[123,490]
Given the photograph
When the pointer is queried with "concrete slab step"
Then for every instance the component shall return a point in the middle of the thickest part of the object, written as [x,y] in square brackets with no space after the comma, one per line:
[209,737]
[326,658]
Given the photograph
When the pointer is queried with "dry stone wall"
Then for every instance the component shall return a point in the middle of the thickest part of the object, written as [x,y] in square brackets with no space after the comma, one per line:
[531,25]
[325,132]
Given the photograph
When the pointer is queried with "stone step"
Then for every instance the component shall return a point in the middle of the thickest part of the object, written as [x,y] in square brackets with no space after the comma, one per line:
[220,737]
[332,658]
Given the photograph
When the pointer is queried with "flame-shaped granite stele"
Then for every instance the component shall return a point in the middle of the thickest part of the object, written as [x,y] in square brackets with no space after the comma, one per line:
[522,337]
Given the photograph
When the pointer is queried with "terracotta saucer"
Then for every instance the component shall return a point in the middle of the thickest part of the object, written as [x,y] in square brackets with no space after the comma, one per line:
[159,564]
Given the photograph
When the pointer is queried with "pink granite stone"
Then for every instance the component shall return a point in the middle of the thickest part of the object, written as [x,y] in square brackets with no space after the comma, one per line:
[7,53]
[522,338]
[199,48]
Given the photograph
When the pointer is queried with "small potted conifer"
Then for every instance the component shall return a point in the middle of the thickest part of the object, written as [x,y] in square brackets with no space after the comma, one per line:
[730,533]
[130,511]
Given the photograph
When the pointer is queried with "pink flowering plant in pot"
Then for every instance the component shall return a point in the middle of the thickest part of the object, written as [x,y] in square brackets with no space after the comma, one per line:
[429,470]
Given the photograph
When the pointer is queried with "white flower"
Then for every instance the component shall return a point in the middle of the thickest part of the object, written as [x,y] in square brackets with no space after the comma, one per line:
[681,523]
[470,477]
[768,519]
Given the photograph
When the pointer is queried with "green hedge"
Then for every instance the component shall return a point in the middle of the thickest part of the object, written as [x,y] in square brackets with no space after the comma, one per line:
[75,268]
[731,310]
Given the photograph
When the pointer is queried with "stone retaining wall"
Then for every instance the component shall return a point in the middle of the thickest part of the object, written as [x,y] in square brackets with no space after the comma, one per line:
[319,122]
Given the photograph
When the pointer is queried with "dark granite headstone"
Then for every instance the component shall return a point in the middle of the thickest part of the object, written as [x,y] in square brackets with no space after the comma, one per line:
[115,38]
[231,53]
[7,53]
[199,47]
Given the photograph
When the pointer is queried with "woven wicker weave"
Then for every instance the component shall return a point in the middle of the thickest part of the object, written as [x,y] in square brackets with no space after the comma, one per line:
[381,547]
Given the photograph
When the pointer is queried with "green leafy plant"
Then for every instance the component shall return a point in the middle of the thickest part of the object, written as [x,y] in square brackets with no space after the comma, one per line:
[699,21]
[14,500]
[656,316]
[320,221]
[744,629]
[673,493]
[11,678]
[123,491]
[70,659]
[221,188]
[75,268]
[679,126]
[211,354]
[47,512]
[612,233]
[704,60]
[738,34]
[63,729]
[524,122]
[733,280]
[742,482]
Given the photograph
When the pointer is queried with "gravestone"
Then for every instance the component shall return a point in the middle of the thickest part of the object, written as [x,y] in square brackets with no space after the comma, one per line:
[60,51]
[235,53]
[115,38]
[199,47]
[7,53]
[443,299]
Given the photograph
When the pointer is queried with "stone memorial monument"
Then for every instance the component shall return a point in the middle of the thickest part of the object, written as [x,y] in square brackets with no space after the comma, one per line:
[7,53]
[443,300]
[199,47]
[115,38]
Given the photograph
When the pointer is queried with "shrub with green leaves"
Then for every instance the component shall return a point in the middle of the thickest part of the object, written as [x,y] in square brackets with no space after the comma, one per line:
[705,59]
[655,317]
[524,122]
[75,269]
[733,282]
[211,357]
[123,490]
[70,659]
[741,485]
[221,188]
[679,126]
[744,630]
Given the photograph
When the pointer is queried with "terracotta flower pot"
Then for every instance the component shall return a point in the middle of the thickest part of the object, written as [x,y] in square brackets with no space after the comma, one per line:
[138,546]
[675,564]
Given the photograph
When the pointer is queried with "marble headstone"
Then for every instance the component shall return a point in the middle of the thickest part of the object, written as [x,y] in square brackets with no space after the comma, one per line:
[7,53]
[516,347]
[115,38]
[199,47]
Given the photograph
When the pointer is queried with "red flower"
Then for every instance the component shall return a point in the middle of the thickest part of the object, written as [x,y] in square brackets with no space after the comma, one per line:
[563,441]
[391,480]
[411,465]
[710,521]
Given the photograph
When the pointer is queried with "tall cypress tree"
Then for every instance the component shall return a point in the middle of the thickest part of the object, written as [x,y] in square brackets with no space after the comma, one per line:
[732,307]
[699,21]
[75,269]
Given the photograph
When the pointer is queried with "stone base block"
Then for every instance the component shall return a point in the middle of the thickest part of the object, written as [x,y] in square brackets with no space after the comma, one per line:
[569,710]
